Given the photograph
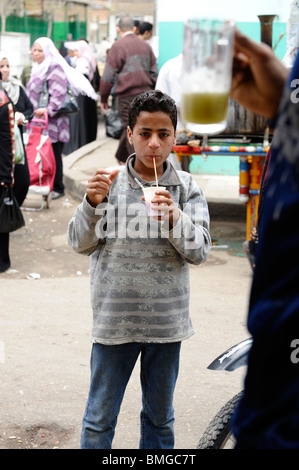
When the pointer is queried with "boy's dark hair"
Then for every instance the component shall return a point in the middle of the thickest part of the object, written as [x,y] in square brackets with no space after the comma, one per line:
[151,101]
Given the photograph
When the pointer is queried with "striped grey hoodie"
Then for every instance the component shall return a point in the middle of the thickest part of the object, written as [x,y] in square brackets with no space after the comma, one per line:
[139,270]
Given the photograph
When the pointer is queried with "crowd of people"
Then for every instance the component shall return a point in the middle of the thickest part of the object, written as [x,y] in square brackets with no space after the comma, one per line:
[74,66]
[268,414]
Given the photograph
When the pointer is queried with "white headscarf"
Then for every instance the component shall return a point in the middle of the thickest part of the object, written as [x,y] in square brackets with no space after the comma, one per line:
[12,85]
[78,83]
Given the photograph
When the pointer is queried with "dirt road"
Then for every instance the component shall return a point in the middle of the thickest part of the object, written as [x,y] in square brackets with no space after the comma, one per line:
[45,337]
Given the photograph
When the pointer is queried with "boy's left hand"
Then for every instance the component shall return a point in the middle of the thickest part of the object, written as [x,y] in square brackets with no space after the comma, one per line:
[170,210]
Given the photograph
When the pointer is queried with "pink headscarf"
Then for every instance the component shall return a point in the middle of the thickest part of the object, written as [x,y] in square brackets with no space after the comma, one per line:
[85,54]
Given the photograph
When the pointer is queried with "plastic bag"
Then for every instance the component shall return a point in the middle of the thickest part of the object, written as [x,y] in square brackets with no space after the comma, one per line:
[113,124]
[19,156]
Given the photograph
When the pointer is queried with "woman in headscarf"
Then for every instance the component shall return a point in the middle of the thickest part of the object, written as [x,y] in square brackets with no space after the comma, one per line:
[23,114]
[83,126]
[49,65]
[10,172]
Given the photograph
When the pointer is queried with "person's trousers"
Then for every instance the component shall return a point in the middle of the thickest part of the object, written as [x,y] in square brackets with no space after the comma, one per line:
[4,252]
[58,181]
[111,368]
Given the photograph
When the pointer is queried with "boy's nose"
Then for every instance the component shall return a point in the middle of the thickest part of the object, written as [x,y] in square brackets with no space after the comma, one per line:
[154,141]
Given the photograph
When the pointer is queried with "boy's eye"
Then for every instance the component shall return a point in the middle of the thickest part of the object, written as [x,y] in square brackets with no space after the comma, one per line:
[147,135]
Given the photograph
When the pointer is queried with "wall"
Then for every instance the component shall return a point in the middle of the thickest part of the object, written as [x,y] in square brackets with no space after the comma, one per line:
[16,46]
[171,26]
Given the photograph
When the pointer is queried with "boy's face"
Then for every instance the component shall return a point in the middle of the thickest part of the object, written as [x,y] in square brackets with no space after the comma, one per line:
[153,136]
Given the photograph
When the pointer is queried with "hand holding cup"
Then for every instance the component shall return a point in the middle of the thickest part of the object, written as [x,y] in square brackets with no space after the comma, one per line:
[160,205]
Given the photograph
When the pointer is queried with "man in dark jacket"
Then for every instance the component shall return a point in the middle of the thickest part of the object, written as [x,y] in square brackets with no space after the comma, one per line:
[132,64]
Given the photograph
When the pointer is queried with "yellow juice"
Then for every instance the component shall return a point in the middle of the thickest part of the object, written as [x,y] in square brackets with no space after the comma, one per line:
[204,108]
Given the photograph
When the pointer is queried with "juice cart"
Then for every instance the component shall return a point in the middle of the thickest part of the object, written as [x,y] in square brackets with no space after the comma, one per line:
[252,158]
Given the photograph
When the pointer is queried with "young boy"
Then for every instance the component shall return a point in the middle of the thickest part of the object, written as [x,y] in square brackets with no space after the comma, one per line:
[139,275]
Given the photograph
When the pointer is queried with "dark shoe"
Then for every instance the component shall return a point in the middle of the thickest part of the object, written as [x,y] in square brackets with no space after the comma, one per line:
[55,195]
[4,268]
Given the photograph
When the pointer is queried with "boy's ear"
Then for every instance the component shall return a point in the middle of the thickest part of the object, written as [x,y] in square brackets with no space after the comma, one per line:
[129,134]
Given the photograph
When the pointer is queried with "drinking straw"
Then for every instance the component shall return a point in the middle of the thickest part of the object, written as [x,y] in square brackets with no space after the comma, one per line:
[155,171]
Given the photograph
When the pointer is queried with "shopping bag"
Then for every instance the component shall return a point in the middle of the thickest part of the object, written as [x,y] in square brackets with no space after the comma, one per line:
[40,157]
[19,156]
[113,124]
[69,106]
[11,217]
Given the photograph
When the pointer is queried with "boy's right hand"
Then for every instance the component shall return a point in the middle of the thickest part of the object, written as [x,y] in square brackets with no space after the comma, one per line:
[99,185]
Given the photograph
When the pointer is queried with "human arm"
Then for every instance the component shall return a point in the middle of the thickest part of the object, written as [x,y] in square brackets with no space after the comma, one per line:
[24,108]
[82,234]
[169,209]
[104,107]
[108,79]
[57,88]
[99,185]
[153,72]
[258,76]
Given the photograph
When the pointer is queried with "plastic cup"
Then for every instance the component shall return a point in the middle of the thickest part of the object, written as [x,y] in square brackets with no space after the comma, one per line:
[149,194]
[206,75]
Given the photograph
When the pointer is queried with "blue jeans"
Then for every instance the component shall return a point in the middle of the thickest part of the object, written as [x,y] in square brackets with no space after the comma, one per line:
[111,368]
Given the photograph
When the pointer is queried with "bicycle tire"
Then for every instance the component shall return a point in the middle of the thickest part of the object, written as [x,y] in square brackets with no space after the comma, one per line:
[219,431]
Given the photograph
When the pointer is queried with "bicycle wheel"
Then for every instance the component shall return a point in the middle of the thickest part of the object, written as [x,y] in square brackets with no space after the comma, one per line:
[218,434]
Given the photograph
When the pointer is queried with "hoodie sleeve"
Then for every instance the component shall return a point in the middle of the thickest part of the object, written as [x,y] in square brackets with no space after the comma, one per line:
[82,234]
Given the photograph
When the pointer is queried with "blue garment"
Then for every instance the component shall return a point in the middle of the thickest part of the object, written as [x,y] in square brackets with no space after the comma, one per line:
[268,415]
[111,368]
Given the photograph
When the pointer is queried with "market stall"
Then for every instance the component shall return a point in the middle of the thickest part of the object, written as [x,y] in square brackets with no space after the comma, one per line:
[252,158]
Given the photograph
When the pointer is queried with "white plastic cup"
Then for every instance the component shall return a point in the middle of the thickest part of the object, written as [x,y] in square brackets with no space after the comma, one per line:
[149,194]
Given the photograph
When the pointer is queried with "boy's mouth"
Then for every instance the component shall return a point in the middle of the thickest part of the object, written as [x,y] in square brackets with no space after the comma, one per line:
[153,156]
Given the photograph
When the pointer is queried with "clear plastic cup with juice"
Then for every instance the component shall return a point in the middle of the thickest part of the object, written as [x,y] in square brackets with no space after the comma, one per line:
[206,75]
